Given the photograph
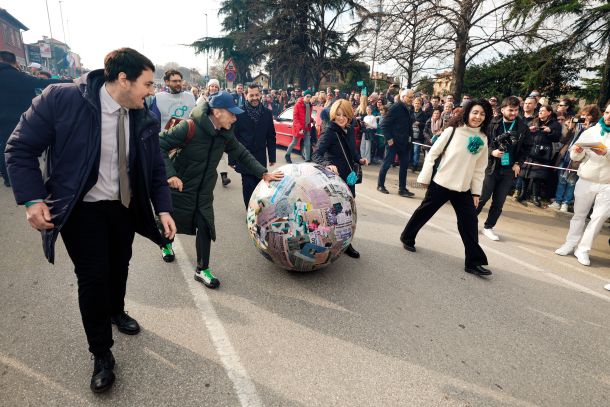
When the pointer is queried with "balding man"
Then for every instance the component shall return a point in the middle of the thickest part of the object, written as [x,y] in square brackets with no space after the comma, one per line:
[398,131]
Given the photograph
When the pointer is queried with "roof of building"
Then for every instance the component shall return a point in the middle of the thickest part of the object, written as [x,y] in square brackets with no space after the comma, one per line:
[12,20]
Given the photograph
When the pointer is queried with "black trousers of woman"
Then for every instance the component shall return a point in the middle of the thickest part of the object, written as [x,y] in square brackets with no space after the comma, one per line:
[467,221]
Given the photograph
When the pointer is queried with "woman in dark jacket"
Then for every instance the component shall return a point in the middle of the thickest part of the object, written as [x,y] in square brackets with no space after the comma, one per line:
[544,131]
[337,149]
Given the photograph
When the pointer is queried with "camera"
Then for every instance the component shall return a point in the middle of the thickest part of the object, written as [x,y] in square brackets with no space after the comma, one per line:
[505,140]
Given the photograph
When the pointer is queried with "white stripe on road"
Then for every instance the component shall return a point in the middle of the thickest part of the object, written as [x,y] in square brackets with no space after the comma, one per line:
[245,388]
[498,253]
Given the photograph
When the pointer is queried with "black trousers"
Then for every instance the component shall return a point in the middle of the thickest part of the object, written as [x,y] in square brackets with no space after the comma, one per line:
[248,184]
[462,203]
[98,237]
[496,186]
[203,242]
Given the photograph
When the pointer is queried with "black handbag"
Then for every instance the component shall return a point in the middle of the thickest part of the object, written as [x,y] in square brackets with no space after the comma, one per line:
[437,162]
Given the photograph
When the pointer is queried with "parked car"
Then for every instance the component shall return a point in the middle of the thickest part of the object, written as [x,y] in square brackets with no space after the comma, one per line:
[283,127]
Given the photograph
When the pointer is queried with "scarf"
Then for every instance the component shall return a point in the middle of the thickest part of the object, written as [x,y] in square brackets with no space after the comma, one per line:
[605,127]
[254,112]
[436,125]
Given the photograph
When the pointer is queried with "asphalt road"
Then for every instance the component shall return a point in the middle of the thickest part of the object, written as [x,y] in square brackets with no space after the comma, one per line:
[392,328]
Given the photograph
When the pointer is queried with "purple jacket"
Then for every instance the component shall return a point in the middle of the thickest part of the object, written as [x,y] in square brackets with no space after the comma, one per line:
[65,121]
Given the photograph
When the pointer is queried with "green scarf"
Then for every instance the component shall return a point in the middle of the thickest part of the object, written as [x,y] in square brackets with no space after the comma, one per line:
[605,127]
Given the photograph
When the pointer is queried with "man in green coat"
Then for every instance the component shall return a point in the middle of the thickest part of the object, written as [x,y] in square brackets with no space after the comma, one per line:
[192,172]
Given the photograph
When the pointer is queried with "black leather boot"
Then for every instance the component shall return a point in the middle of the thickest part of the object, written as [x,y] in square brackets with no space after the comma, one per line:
[225,179]
[103,374]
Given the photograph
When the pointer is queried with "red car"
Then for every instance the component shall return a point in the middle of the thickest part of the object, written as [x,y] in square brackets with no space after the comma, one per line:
[283,127]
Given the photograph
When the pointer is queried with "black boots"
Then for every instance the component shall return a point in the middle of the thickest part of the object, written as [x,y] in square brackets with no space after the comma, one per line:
[351,252]
[103,374]
[225,179]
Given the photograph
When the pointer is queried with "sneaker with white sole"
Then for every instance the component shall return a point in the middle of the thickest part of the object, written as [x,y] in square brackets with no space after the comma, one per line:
[583,258]
[564,207]
[489,233]
[555,205]
[607,287]
[206,278]
[565,250]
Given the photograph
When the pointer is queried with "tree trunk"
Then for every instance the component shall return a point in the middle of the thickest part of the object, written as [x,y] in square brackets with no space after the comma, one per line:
[459,68]
[604,92]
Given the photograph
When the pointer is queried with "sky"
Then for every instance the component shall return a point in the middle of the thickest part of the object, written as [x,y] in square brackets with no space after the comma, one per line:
[93,28]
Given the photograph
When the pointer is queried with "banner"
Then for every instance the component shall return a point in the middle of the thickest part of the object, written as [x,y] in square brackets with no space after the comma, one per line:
[45,50]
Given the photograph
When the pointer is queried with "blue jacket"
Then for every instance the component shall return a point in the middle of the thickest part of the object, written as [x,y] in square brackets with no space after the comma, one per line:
[65,121]
[397,125]
[258,138]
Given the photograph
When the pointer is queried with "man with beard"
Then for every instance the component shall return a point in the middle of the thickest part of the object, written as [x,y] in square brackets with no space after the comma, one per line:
[254,129]
[175,103]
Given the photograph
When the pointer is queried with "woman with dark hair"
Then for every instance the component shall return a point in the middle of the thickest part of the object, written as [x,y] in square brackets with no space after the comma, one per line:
[454,170]
[544,131]
[337,150]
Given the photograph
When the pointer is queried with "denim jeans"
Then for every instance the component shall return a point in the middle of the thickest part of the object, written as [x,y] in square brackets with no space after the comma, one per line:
[415,159]
[565,190]
[306,146]
[291,146]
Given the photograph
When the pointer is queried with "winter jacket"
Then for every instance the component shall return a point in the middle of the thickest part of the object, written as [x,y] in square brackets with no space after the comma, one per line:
[397,124]
[17,89]
[516,153]
[65,121]
[258,138]
[539,148]
[196,165]
[329,150]
[298,118]
[418,130]
[594,168]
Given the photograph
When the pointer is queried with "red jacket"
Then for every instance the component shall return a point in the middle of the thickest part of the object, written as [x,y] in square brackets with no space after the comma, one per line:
[298,118]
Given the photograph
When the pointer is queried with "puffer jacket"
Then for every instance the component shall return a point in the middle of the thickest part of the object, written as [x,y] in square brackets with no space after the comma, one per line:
[594,168]
[196,165]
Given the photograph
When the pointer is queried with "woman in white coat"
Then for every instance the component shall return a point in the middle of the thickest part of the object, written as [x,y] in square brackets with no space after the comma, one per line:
[592,189]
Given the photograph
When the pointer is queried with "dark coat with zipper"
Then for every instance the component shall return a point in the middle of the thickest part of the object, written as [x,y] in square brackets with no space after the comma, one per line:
[539,139]
[257,137]
[196,165]
[65,121]
[397,125]
[517,152]
[329,150]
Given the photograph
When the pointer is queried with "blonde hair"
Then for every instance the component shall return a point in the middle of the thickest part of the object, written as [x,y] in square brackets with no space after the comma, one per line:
[363,105]
[345,106]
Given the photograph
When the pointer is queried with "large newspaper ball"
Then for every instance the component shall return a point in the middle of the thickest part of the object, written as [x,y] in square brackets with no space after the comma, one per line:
[305,221]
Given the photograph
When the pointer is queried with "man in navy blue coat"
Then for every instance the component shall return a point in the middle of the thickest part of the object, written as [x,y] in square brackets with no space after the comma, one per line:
[17,89]
[254,129]
[103,170]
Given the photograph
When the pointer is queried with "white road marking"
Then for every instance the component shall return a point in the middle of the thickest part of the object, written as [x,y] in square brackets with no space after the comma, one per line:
[563,263]
[499,253]
[243,385]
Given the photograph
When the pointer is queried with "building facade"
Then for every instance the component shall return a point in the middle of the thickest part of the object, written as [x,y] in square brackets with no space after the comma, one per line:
[10,36]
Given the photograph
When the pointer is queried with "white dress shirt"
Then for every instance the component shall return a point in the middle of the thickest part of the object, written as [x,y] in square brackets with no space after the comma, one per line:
[107,186]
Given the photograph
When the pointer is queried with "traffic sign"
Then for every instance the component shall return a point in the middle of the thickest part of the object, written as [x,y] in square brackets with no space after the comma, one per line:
[230,76]
[230,66]
[206,78]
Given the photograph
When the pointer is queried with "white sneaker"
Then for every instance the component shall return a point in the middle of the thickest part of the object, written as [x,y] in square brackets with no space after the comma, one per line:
[555,205]
[607,287]
[583,258]
[564,207]
[564,250]
[489,233]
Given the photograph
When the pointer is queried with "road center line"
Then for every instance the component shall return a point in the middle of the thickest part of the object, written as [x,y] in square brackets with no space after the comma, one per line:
[498,253]
[244,386]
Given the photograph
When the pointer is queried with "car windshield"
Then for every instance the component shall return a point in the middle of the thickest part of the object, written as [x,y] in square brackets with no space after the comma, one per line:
[286,115]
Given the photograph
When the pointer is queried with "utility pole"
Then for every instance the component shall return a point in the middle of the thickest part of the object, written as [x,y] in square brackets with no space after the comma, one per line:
[207,55]
[50,60]
[63,29]
[377,29]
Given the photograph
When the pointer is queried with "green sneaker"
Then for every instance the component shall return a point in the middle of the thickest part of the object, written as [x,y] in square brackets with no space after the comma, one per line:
[206,278]
[168,253]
